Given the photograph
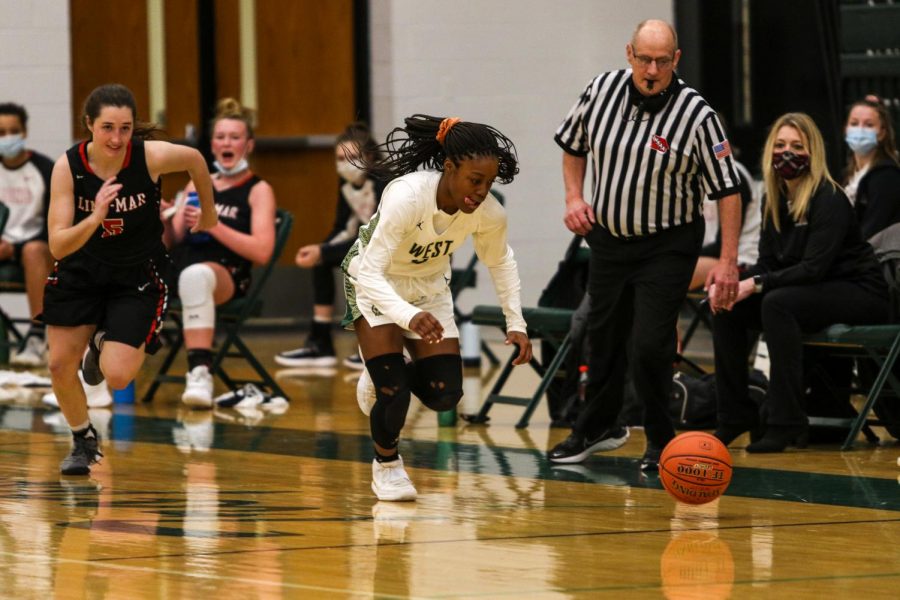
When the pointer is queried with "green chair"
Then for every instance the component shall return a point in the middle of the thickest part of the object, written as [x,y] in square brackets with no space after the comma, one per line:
[230,318]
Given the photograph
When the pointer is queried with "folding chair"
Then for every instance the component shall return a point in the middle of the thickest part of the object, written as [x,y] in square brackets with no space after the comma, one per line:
[550,325]
[12,279]
[230,317]
[879,344]
[700,315]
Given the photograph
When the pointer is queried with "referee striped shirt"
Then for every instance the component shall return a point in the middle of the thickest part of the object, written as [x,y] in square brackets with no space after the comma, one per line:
[651,171]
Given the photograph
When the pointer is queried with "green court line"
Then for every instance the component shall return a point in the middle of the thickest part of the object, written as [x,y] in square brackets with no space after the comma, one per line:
[769,484]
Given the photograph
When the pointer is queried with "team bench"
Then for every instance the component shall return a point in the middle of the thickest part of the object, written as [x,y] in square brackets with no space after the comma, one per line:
[877,343]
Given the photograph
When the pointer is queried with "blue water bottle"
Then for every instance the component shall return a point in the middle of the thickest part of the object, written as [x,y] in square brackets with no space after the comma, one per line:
[195,238]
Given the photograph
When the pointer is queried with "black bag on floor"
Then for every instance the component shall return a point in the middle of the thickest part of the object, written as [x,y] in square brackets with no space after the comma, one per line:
[693,403]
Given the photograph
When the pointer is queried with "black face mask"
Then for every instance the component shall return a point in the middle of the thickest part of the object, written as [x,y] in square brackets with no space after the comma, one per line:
[652,104]
[790,165]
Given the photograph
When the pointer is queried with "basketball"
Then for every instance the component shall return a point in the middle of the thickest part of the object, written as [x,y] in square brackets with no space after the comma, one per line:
[695,467]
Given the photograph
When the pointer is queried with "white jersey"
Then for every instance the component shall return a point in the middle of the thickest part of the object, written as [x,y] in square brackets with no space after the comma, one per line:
[25,190]
[403,244]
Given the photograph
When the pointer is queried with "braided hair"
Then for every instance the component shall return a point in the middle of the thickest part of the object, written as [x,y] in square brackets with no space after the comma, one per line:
[423,143]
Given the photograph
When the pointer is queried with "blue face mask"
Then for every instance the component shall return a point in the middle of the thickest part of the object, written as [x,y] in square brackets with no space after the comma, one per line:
[11,145]
[861,140]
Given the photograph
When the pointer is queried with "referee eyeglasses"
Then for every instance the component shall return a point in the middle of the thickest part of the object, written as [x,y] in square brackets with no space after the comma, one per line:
[661,63]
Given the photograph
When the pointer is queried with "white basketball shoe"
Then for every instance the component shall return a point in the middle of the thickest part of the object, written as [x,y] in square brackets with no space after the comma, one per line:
[391,483]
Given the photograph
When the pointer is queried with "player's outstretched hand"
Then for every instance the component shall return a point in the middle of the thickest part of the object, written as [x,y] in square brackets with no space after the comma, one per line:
[522,343]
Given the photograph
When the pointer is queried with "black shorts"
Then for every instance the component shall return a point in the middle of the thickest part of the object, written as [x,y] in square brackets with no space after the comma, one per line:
[128,302]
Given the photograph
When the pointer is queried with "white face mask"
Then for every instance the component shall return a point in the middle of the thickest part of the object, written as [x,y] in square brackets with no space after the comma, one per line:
[348,171]
[862,140]
[241,166]
[11,145]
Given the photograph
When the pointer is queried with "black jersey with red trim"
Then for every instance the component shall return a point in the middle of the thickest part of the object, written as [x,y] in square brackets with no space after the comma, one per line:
[132,230]
[233,209]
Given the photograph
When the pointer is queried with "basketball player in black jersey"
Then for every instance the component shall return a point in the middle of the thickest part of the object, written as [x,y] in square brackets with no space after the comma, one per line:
[107,290]
[214,267]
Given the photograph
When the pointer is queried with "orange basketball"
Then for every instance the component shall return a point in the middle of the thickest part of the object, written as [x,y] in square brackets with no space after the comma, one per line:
[695,467]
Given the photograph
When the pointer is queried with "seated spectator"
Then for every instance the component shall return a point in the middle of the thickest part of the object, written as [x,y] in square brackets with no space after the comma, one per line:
[748,242]
[872,176]
[810,248]
[25,190]
[214,266]
[358,198]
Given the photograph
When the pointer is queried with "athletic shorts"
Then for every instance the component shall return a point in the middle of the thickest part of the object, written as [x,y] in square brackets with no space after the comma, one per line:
[439,304]
[128,302]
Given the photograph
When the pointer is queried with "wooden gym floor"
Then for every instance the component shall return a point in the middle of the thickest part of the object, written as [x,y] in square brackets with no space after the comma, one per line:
[188,504]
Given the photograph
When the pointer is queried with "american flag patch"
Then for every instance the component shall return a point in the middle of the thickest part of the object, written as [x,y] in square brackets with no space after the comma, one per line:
[722,149]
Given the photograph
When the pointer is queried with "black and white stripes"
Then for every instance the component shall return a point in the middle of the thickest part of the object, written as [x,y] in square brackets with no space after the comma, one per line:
[651,171]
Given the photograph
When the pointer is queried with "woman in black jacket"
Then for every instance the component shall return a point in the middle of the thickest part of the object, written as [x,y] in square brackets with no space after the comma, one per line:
[872,176]
[358,197]
[814,270]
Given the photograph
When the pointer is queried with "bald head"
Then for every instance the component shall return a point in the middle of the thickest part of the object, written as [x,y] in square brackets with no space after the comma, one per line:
[655,31]
[653,55]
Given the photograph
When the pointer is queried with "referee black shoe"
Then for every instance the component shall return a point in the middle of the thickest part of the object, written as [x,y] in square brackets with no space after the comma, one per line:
[650,460]
[576,447]
[90,366]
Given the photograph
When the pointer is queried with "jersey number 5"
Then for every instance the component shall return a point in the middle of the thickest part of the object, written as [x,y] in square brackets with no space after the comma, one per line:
[112,227]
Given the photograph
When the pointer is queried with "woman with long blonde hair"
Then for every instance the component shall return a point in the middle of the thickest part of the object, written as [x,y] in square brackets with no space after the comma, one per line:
[814,270]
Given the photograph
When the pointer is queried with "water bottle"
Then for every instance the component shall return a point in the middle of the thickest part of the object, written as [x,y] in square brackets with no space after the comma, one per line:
[125,395]
[582,383]
[195,238]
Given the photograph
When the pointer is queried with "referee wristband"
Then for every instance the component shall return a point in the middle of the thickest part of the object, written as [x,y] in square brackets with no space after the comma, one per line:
[757,284]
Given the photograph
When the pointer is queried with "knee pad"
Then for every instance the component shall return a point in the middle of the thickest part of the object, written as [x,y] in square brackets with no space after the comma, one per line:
[390,379]
[196,285]
[438,381]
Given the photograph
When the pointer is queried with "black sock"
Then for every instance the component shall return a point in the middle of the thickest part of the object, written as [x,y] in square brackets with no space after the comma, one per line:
[87,432]
[36,330]
[386,459]
[321,335]
[198,357]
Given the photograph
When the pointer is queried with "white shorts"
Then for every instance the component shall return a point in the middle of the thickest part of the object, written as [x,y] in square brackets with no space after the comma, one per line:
[440,305]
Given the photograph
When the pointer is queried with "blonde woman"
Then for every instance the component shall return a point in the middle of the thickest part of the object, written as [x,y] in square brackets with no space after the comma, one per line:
[814,270]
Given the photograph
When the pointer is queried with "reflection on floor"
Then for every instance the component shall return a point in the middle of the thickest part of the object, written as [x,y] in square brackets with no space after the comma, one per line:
[277,504]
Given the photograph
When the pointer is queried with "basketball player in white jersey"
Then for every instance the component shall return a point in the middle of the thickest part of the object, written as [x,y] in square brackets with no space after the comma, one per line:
[398,274]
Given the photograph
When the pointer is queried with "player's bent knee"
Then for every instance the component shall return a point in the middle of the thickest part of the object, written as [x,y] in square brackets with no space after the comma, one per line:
[119,380]
[438,381]
[445,400]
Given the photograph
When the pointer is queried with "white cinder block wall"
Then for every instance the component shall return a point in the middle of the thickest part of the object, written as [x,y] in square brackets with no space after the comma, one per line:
[518,65]
[35,71]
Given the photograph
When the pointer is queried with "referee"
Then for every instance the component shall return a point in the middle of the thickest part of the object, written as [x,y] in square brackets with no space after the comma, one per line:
[657,148]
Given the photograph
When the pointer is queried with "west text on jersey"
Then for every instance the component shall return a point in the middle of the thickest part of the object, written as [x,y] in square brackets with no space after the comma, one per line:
[432,250]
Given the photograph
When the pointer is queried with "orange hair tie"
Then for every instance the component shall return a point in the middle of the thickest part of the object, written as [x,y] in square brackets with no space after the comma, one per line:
[446,125]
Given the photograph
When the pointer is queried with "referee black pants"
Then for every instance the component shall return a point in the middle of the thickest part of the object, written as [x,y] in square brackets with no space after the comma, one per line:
[783,315]
[637,287]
